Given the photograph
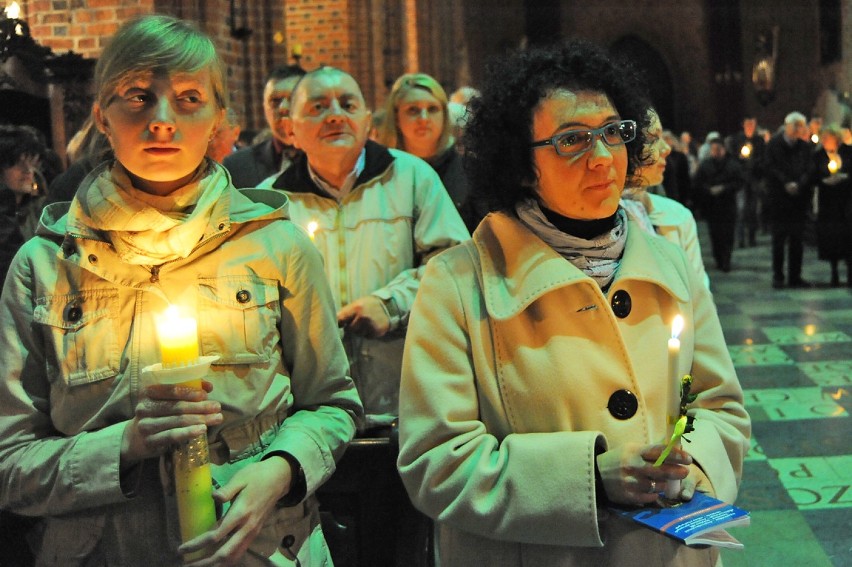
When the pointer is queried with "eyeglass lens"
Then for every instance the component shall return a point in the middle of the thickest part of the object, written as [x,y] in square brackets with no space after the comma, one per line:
[577,141]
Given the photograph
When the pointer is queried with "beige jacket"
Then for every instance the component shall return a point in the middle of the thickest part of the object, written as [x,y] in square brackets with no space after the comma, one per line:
[77,327]
[511,358]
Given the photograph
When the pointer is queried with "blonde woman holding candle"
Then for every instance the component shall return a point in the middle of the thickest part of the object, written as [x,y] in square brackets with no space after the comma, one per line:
[82,434]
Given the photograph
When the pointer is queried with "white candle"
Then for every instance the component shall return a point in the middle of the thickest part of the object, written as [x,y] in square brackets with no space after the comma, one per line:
[674,381]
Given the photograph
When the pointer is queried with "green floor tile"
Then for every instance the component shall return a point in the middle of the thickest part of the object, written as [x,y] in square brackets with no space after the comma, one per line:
[753,355]
[829,372]
[808,335]
[776,538]
[793,404]
[815,483]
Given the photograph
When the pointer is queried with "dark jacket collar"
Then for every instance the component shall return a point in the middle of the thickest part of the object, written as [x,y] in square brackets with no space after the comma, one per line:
[296,178]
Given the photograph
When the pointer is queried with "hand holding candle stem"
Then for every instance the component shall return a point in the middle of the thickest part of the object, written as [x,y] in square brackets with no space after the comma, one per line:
[683,424]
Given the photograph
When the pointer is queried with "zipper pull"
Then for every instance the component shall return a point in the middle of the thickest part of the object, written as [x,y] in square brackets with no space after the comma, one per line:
[155,274]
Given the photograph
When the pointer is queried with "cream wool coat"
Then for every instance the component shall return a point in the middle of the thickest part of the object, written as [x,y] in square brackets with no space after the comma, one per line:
[511,357]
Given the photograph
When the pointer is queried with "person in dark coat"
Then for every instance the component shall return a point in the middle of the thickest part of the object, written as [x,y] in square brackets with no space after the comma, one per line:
[87,148]
[788,198]
[249,166]
[676,178]
[749,148]
[832,162]
[718,180]
[20,156]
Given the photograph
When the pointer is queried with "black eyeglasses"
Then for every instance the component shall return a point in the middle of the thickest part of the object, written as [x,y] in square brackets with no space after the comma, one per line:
[575,142]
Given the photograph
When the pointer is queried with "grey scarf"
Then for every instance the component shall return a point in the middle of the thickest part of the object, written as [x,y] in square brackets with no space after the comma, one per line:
[597,258]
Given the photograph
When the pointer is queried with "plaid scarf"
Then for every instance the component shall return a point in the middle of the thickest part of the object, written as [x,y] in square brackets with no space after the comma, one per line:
[598,258]
[150,229]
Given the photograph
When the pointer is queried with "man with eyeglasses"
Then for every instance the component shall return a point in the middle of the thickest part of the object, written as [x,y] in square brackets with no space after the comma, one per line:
[249,166]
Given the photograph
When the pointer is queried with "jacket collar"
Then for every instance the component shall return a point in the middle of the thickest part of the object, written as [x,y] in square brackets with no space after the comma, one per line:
[243,205]
[518,267]
[297,179]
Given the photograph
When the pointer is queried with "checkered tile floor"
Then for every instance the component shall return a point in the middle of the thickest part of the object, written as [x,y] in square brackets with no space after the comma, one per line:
[793,353]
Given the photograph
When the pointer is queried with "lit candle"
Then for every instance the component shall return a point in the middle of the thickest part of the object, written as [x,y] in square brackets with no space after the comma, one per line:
[191,460]
[178,338]
[745,152]
[834,165]
[312,228]
[815,138]
[674,381]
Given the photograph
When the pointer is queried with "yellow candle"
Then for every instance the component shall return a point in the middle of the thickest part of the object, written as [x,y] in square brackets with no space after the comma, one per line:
[674,381]
[312,228]
[178,338]
[193,489]
[193,479]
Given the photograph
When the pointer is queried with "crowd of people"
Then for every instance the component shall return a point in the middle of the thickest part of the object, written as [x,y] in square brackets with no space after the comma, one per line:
[792,184]
[480,273]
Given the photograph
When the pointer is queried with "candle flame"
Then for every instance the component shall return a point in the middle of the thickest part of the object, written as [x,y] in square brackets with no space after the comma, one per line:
[834,165]
[312,228]
[815,139]
[12,11]
[746,151]
[677,326]
[171,313]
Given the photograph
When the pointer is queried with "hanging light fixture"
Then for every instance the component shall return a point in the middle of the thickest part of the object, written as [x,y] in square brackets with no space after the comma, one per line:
[15,38]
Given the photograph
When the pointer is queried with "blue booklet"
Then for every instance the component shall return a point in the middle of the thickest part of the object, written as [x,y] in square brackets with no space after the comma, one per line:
[700,522]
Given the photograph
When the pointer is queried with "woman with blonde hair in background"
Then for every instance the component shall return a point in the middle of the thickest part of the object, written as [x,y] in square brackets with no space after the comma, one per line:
[417,120]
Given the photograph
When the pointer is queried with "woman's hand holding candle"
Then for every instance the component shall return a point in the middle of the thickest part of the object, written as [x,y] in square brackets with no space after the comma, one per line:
[168,415]
[253,494]
[630,476]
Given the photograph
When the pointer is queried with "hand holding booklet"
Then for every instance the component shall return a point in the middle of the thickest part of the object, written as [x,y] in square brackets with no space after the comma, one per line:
[698,522]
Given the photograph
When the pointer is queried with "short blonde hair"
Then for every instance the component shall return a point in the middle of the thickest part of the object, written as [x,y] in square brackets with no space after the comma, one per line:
[389,133]
[157,43]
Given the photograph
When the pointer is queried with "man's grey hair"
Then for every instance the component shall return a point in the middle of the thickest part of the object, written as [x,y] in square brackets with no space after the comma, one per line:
[794,117]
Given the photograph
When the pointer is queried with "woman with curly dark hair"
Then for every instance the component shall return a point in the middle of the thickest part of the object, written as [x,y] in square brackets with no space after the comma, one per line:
[535,387]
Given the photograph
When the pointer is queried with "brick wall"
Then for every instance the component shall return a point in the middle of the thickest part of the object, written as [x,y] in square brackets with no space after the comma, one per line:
[375,41]
[81,26]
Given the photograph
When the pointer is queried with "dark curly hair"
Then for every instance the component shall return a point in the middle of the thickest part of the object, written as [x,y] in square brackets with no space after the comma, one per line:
[498,158]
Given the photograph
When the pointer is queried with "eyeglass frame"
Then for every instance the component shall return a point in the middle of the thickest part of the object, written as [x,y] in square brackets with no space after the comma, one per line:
[594,132]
